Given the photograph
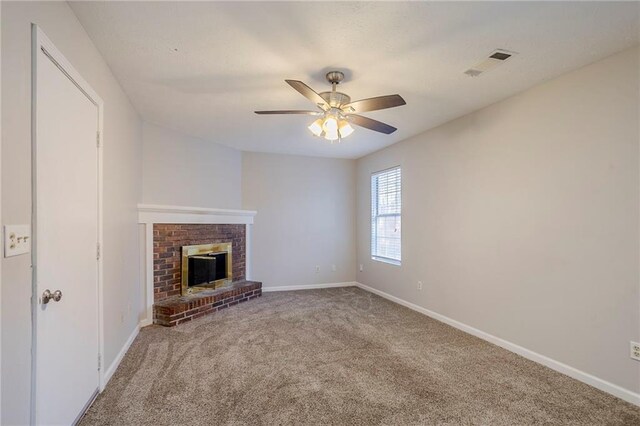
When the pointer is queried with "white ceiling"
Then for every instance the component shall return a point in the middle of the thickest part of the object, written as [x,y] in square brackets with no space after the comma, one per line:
[202,68]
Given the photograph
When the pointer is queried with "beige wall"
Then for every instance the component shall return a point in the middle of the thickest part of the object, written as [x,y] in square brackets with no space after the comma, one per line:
[308,202]
[306,217]
[122,189]
[185,171]
[522,219]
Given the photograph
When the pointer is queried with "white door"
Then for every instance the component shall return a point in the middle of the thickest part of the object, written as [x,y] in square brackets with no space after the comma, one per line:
[66,236]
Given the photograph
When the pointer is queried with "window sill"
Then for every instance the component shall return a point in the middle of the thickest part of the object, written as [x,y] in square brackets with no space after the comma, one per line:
[386,260]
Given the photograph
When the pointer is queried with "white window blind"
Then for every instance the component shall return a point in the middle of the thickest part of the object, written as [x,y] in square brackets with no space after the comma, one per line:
[386,211]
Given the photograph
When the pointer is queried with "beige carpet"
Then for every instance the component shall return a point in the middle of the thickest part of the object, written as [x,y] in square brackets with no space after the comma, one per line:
[339,357]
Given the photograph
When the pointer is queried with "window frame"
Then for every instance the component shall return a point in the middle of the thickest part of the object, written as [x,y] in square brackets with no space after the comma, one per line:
[375,215]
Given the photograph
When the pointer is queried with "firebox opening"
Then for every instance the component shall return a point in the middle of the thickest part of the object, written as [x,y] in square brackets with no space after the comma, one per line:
[205,266]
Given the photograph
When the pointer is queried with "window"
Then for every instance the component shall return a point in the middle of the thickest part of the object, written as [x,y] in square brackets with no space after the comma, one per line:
[386,209]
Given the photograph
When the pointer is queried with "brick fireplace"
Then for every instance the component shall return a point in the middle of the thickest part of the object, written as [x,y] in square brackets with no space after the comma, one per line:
[165,231]
[168,240]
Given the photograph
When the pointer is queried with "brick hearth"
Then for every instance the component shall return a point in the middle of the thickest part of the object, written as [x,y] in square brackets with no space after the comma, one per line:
[168,240]
[177,310]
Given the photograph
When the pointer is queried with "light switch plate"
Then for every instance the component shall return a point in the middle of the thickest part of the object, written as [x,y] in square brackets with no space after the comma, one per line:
[17,240]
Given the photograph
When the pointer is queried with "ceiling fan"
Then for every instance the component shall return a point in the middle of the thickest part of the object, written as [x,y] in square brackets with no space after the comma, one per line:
[337,112]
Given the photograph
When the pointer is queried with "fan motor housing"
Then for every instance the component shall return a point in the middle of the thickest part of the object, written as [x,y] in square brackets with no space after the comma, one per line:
[334,77]
[335,99]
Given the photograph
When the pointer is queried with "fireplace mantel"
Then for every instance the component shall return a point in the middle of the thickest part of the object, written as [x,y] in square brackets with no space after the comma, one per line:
[151,214]
[154,213]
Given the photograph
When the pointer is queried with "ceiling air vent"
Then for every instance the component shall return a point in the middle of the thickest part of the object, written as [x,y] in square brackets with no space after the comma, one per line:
[497,57]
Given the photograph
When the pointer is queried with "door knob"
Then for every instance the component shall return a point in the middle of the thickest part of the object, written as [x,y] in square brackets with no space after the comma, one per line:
[47,295]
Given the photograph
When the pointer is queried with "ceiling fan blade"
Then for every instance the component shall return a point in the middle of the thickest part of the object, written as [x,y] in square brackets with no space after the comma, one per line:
[309,93]
[370,124]
[289,111]
[374,104]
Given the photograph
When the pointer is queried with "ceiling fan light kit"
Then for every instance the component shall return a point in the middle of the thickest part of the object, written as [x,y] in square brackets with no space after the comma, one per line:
[332,126]
[338,112]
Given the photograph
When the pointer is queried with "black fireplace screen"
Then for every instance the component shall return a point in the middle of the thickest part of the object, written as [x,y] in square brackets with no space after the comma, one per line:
[207,268]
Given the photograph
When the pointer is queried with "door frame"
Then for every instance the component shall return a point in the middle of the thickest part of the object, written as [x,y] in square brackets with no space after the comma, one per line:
[41,42]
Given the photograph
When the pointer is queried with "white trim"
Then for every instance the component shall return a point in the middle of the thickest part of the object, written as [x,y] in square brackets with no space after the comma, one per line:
[308,286]
[145,322]
[161,208]
[154,213]
[101,237]
[41,42]
[386,260]
[116,362]
[603,385]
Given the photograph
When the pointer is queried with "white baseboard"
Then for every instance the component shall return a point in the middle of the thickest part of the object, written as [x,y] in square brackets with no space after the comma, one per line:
[145,322]
[116,362]
[603,385]
[309,286]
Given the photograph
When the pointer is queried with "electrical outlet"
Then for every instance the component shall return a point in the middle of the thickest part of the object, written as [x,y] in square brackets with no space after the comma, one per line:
[317,268]
[361,267]
[635,351]
[419,285]
[333,268]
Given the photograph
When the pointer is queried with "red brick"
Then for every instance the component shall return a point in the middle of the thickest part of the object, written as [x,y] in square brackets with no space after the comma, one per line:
[167,247]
